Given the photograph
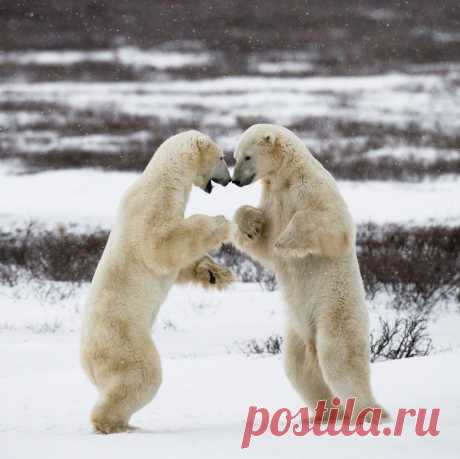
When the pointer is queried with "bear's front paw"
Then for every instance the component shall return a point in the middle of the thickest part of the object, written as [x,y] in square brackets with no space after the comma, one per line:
[213,275]
[250,222]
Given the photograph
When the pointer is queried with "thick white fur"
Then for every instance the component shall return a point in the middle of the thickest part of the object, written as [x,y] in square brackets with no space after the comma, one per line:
[150,247]
[303,230]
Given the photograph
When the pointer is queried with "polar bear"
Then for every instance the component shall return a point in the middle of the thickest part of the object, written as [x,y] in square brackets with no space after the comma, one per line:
[303,230]
[151,247]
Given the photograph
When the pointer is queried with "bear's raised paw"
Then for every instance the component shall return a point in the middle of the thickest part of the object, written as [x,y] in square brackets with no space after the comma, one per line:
[212,275]
[250,222]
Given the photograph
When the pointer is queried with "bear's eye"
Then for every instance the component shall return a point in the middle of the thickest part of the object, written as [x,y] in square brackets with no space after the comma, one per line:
[247,158]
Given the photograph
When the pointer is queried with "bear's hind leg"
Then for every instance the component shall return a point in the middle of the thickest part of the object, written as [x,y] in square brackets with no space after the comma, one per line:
[125,390]
[303,370]
[344,360]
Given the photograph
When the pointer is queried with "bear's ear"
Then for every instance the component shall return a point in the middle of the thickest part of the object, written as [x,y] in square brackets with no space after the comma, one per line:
[269,138]
[203,142]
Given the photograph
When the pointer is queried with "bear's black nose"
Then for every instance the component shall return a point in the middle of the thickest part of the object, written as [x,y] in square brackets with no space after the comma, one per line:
[236,182]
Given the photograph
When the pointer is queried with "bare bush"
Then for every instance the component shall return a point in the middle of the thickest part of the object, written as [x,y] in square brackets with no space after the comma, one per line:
[8,275]
[400,339]
[135,159]
[46,327]
[58,255]
[419,266]
[271,345]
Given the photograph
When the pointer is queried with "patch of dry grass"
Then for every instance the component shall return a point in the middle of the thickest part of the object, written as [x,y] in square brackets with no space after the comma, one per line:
[418,266]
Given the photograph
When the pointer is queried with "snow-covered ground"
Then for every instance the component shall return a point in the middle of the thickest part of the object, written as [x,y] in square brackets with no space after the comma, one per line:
[127,56]
[208,382]
[423,155]
[192,322]
[428,100]
[201,408]
[90,197]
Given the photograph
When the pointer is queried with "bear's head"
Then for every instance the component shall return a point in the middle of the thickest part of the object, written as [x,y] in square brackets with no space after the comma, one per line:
[256,154]
[210,164]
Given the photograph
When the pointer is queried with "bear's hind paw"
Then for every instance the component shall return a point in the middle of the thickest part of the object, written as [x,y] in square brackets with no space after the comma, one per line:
[102,427]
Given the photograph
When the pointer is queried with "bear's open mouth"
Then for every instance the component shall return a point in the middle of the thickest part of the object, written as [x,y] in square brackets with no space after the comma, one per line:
[208,188]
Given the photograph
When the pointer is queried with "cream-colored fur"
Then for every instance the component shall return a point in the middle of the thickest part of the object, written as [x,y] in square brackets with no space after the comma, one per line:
[303,230]
[150,247]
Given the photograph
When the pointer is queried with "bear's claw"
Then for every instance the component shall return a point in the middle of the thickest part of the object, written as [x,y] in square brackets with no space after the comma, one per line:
[212,278]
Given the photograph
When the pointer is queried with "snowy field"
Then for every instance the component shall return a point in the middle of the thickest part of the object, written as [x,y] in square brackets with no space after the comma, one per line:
[76,128]
[90,197]
[208,383]
[201,408]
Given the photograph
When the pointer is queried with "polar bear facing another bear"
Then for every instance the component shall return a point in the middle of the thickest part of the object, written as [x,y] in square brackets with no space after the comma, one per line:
[303,230]
[150,247]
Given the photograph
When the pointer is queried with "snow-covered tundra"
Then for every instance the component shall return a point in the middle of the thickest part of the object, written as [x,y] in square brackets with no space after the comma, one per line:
[303,230]
[150,247]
